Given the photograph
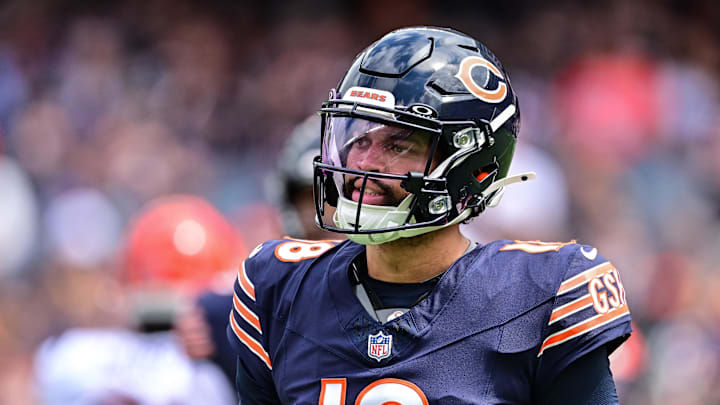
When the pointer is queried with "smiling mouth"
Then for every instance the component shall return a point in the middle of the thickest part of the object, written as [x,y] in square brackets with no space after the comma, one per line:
[375,193]
[372,193]
[370,197]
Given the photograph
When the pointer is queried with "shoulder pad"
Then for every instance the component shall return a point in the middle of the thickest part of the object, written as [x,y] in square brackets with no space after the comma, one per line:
[589,310]
[272,265]
[513,284]
[271,260]
[265,290]
[542,264]
[526,277]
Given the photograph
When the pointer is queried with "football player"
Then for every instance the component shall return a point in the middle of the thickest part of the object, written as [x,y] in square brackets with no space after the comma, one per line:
[176,246]
[417,138]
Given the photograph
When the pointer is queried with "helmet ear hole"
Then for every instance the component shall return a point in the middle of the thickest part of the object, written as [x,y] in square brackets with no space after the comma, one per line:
[480,174]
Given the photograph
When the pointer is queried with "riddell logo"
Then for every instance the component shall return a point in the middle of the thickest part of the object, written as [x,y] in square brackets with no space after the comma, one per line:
[366,94]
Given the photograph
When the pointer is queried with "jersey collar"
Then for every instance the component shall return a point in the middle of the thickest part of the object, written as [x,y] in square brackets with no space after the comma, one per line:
[407,328]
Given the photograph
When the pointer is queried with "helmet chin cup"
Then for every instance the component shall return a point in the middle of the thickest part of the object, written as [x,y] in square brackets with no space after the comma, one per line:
[371,217]
[374,238]
[378,217]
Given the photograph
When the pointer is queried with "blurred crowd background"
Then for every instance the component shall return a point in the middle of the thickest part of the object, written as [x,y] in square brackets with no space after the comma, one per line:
[104,107]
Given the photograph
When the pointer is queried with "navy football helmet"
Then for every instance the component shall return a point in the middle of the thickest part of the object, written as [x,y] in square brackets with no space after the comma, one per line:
[419,135]
[292,182]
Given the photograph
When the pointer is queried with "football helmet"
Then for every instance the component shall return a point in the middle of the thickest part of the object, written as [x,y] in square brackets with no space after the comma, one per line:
[418,135]
[180,242]
[177,246]
[293,178]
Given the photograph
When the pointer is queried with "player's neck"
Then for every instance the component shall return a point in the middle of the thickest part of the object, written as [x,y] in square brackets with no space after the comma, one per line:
[413,260]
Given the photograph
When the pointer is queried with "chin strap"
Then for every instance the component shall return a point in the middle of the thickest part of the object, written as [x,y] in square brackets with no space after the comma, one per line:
[499,186]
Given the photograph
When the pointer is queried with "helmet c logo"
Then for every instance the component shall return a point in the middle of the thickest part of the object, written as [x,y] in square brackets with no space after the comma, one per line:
[489,96]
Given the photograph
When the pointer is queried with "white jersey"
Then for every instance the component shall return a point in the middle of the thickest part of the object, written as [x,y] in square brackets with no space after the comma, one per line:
[92,366]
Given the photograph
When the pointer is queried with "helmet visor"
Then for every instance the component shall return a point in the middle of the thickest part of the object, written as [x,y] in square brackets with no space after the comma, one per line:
[372,147]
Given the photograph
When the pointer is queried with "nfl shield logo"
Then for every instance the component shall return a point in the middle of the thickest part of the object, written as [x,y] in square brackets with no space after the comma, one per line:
[379,346]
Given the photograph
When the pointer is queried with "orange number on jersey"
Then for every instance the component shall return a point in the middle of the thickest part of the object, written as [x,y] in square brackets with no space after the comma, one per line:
[381,392]
[535,246]
[295,250]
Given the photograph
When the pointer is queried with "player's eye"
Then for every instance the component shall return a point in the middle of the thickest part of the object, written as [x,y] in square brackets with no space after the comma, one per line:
[361,143]
[398,147]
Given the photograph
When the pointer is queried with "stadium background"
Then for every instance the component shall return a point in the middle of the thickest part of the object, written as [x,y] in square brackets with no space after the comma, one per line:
[105,107]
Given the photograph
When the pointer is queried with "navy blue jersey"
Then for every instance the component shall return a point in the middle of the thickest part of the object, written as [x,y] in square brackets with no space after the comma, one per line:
[503,321]
[215,307]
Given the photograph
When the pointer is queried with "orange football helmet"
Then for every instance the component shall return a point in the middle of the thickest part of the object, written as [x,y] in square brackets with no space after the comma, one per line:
[180,242]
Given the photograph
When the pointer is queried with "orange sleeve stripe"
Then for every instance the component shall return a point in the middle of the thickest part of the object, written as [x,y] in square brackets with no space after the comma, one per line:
[530,248]
[246,314]
[245,283]
[583,327]
[584,277]
[570,308]
[249,342]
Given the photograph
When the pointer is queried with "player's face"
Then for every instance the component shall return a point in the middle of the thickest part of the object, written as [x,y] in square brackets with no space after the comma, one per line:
[375,147]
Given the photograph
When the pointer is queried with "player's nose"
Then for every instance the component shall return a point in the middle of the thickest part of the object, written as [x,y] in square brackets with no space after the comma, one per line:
[372,158]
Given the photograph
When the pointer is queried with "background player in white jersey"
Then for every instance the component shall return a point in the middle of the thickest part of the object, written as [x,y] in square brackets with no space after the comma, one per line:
[177,246]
